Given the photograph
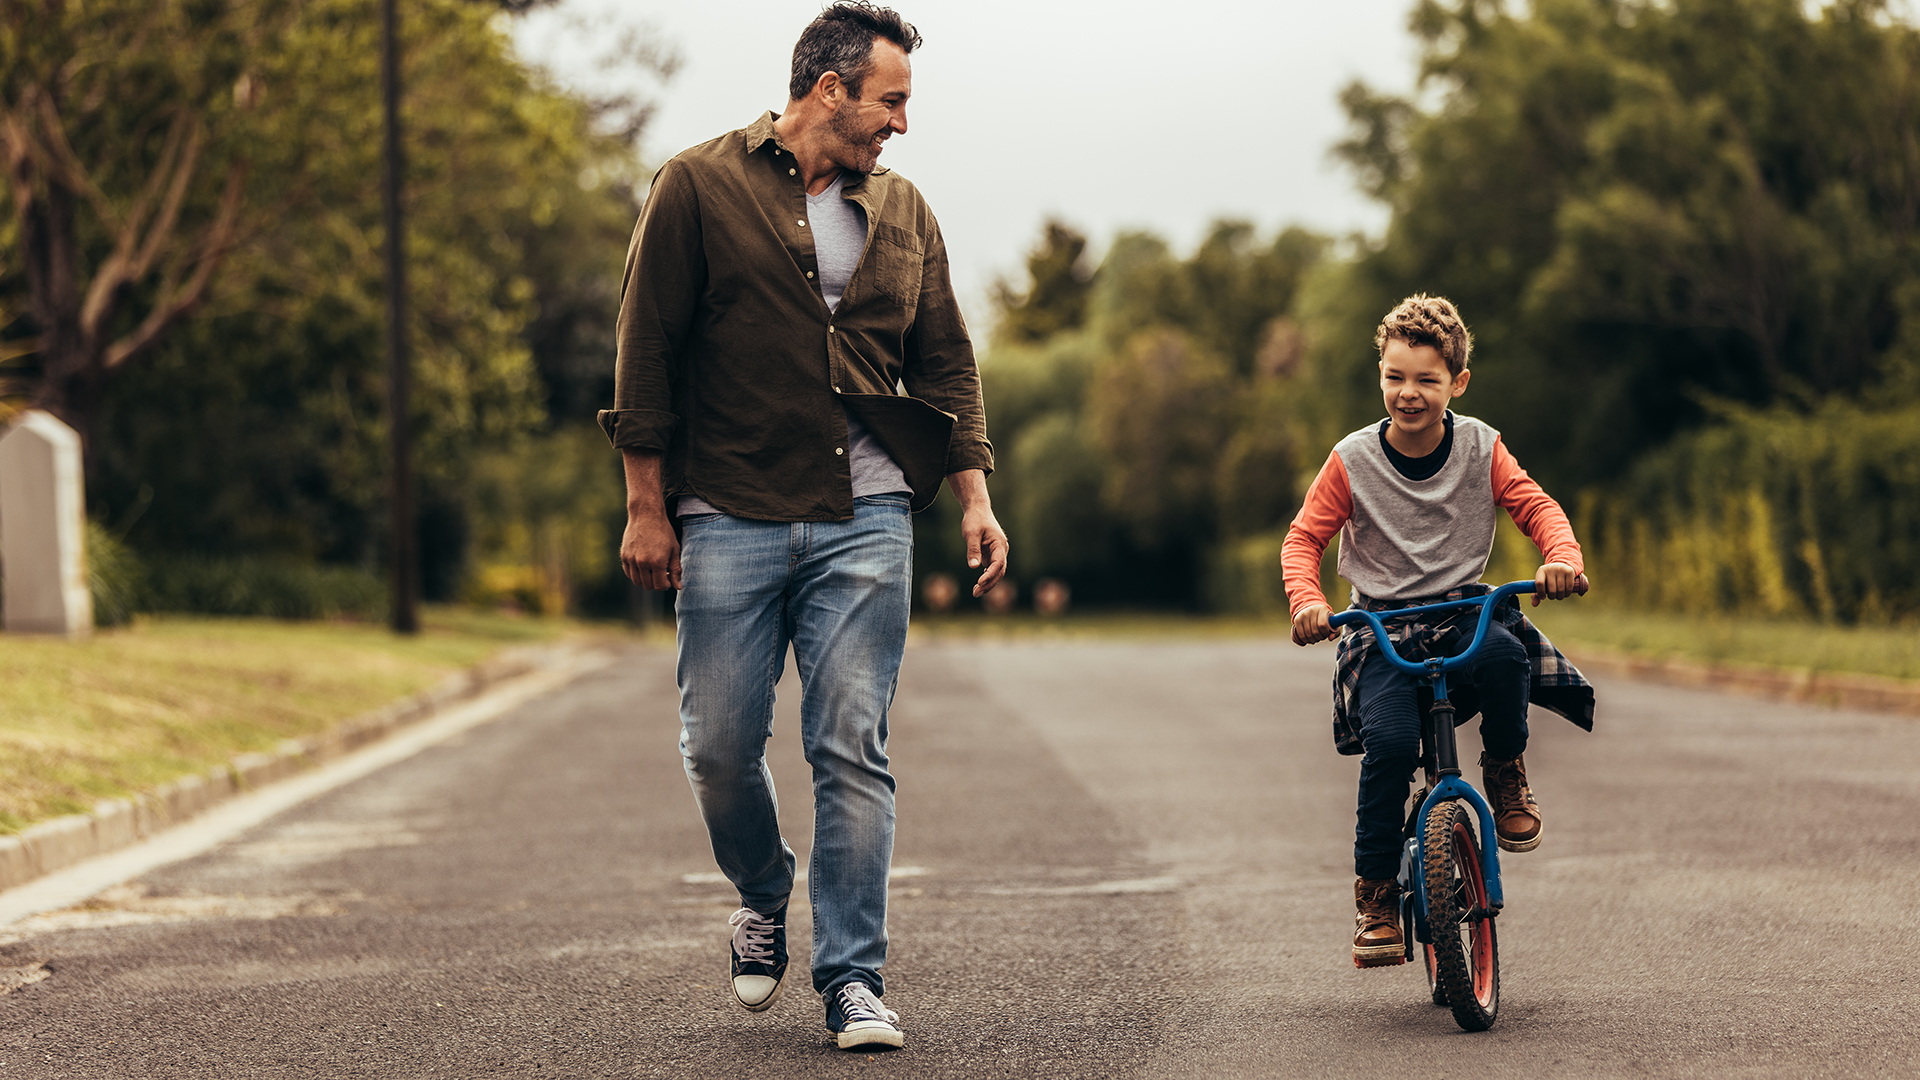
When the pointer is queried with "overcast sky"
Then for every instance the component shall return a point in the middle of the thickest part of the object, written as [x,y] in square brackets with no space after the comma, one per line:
[1116,115]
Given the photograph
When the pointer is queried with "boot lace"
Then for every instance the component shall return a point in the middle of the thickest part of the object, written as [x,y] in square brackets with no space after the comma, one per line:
[1510,787]
[1379,909]
[752,935]
[857,1003]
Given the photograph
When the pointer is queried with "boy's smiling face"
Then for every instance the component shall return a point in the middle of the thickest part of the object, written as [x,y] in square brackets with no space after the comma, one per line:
[1416,385]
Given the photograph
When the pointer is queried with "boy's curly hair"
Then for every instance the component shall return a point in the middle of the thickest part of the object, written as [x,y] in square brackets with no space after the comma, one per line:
[1428,320]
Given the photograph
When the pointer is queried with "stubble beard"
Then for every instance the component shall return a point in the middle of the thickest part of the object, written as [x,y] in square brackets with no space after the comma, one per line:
[862,155]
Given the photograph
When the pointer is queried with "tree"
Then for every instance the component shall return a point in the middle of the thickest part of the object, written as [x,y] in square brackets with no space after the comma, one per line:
[1058,283]
[1642,207]
[123,127]
[258,427]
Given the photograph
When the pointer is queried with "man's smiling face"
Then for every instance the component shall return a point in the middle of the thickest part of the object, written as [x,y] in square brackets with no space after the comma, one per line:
[1416,385]
[861,126]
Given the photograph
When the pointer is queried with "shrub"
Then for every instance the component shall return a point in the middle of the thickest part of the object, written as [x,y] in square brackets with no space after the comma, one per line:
[275,588]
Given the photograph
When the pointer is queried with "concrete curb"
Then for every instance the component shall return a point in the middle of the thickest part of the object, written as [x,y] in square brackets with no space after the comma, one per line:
[119,823]
[1869,693]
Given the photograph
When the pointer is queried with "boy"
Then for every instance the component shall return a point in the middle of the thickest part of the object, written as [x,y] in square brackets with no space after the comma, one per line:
[1414,501]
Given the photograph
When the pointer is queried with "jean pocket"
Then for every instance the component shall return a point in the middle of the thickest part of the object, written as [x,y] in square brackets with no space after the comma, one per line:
[688,521]
[902,502]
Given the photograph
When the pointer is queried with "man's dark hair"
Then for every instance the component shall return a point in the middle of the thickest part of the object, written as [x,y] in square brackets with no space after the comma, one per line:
[841,41]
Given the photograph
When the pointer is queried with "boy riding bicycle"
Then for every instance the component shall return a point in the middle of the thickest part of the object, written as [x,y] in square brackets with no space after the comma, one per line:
[1414,499]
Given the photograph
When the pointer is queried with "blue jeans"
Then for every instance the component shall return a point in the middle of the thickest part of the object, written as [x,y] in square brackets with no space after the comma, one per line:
[838,592]
[1388,703]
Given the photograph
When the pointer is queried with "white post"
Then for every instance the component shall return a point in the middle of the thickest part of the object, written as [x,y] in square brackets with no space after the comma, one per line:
[43,528]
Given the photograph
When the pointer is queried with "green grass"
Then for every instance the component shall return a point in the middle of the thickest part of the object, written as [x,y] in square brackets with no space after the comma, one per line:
[135,707]
[1892,651]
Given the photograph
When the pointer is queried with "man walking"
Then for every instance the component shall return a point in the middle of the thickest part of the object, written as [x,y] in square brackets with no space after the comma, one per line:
[779,289]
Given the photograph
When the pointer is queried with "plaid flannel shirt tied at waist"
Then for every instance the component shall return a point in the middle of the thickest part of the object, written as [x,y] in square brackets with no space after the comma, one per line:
[1555,684]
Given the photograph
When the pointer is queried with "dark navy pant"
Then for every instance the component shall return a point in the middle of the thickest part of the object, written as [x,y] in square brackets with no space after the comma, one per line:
[1389,711]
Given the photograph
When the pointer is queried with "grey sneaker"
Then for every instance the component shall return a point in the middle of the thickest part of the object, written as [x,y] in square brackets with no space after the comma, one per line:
[860,1021]
[759,964]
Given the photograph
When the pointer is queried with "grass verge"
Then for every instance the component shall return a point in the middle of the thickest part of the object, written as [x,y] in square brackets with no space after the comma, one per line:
[136,707]
[1891,651]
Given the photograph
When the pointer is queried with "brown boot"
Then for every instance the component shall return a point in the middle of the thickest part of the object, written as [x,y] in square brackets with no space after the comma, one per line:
[1516,814]
[1376,938]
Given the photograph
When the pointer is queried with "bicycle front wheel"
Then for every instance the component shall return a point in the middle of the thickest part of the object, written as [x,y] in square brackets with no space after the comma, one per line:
[1466,952]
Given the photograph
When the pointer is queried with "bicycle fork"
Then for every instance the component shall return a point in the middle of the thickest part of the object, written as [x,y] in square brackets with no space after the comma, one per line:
[1449,786]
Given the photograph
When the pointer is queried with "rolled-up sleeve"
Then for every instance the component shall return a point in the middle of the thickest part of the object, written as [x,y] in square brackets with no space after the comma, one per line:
[665,275]
[939,366]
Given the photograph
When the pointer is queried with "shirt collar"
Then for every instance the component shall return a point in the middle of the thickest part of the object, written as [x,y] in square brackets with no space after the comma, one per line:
[761,132]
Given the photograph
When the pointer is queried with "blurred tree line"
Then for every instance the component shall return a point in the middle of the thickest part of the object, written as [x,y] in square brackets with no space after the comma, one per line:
[205,174]
[1684,235]
[1682,231]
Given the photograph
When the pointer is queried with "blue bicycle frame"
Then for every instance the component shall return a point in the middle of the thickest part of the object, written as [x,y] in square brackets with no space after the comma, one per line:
[1446,758]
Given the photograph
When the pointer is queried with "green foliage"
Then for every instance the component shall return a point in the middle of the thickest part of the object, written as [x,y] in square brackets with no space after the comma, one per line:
[1055,301]
[1642,205]
[115,578]
[1139,446]
[260,586]
[1770,513]
[547,513]
[259,429]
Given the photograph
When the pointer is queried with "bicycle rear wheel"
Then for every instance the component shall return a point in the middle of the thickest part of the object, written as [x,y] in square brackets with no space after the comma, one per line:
[1466,952]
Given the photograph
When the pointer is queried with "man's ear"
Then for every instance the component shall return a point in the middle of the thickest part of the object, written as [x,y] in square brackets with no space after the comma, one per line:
[830,89]
[1460,381]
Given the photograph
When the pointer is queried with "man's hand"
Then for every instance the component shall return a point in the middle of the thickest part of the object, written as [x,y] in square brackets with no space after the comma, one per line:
[1557,581]
[649,551]
[986,541]
[1310,624]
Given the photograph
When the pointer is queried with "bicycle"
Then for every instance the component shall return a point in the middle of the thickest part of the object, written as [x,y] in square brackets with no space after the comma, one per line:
[1449,881]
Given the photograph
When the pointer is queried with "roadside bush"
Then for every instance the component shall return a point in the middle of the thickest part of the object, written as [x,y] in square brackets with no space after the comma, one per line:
[273,588]
[115,577]
[1770,513]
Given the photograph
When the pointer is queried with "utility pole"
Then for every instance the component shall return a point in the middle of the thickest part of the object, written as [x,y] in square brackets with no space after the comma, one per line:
[404,579]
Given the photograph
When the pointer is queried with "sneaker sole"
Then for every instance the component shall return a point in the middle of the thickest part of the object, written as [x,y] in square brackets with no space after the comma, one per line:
[778,989]
[1366,956]
[1522,845]
[861,1038]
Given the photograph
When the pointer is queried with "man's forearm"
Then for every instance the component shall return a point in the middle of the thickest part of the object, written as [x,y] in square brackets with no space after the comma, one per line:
[970,487]
[645,497]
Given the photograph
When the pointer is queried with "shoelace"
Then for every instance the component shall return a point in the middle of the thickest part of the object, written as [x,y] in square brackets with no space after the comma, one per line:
[858,1003]
[1381,912]
[1513,795]
[753,935]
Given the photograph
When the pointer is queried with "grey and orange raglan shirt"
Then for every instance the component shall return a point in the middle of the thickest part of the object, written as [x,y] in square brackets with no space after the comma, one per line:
[1406,541]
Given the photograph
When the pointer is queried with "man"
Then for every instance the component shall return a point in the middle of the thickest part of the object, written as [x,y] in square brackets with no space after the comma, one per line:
[780,287]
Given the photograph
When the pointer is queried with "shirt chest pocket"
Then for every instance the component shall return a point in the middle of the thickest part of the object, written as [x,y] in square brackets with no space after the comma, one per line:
[897,263]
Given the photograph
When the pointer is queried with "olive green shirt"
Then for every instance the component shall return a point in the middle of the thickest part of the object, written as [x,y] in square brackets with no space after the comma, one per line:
[733,368]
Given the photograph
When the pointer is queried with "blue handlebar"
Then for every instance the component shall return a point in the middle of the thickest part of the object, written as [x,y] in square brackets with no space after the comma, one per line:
[1487,602]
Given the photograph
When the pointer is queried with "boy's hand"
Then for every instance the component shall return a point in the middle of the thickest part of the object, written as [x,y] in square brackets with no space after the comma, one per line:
[1557,581]
[1310,624]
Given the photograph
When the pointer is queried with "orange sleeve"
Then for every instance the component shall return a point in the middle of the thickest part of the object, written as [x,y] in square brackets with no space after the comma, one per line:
[1533,510]
[1328,505]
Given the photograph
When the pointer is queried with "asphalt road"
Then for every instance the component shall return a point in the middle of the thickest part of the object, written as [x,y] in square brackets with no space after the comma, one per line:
[1114,859]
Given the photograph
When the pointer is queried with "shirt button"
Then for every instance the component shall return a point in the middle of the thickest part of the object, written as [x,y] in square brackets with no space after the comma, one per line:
[802,224]
[809,273]
[837,451]
[829,328]
[789,172]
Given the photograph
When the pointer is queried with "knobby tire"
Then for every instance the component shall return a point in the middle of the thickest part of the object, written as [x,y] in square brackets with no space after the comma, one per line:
[1466,953]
